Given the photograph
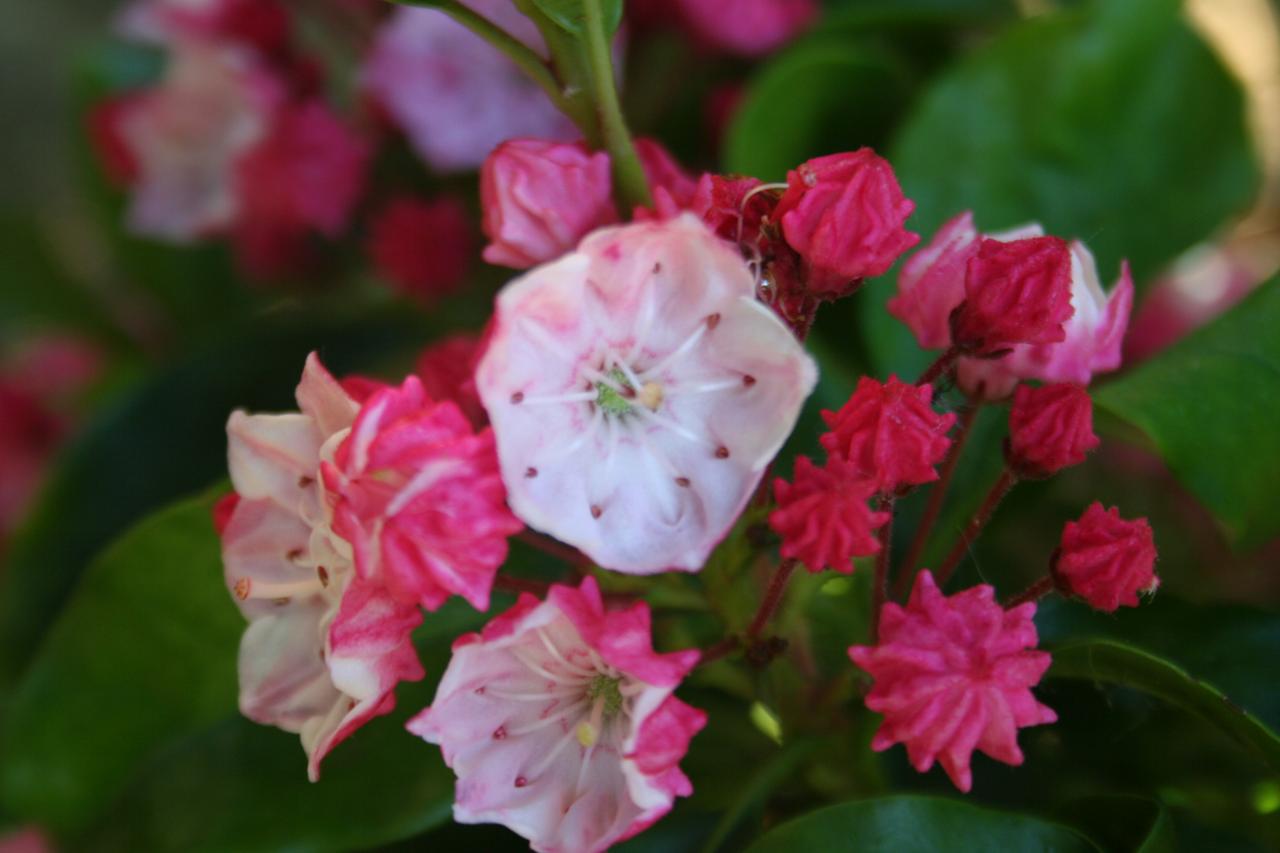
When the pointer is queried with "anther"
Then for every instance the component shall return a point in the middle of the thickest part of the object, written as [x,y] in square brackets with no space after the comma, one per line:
[294,554]
[242,588]
[305,482]
[657,267]
[682,482]
[713,320]
[530,472]
[323,574]
[748,380]
[500,733]
[722,452]
[521,781]
[596,511]
[517,398]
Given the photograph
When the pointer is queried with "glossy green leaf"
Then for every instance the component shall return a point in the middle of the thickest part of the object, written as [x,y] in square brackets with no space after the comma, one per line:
[164,440]
[1116,663]
[814,99]
[145,650]
[917,825]
[1210,406]
[1111,121]
[240,786]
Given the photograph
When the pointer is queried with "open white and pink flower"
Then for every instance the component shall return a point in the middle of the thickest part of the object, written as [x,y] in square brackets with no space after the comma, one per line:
[324,648]
[560,722]
[637,390]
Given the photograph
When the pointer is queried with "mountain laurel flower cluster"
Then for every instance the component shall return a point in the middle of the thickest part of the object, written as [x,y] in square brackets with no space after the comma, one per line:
[560,721]
[314,545]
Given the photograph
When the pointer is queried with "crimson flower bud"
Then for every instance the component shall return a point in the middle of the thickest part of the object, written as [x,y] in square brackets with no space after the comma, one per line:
[1015,293]
[1050,428]
[1106,560]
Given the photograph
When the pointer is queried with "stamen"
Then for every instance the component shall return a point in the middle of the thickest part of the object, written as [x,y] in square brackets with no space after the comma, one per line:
[707,388]
[679,430]
[245,589]
[679,351]
[537,668]
[569,397]
[544,696]
[557,717]
[555,652]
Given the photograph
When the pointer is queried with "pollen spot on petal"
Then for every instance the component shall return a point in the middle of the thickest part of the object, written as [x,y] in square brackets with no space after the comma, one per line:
[722,452]
[713,320]
[530,472]
[521,781]
[596,511]
[517,398]
[242,588]
[682,482]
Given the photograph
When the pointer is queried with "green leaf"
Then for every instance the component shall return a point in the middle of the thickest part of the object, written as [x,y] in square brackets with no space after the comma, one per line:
[1131,824]
[863,14]
[570,15]
[1112,122]
[146,650]
[814,99]
[1210,405]
[1116,663]
[240,786]
[906,824]
[164,440]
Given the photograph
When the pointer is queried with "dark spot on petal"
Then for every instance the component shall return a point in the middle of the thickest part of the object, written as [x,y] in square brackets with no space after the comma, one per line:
[281,602]
[596,511]
[521,781]
[713,320]
[323,573]
[305,481]
[480,691]
[748,380]
[517,398]
[722,452]
[657,267]
[530,472]
[682,482]
[500,733]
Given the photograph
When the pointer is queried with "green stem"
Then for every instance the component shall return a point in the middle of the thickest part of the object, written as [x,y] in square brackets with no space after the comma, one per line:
[525,58]
[630,186]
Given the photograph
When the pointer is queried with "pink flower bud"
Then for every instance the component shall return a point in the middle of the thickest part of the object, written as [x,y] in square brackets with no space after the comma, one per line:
[1106,560]
[561,723]
[823,516]
[423,248]
[931,283]
[954,674]
[1050,428]
[746,27]
[540,198]
[844,214]
[890,433]
[1015,293]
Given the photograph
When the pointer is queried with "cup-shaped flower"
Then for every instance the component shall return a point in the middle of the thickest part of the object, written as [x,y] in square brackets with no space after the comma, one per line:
[637,390]
[185,137]
[560,722]
[324,648]
[844,214]
[931,286]
[540,198]
[1106,560]
[890,433]
[1050,428]
[823,516]
[417,494]
[455,95]
[954,674]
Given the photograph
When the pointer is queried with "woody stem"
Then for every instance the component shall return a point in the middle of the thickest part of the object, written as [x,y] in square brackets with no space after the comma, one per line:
[939,367]
[772,597]
[1035,592]
[1006,481]
[630,186]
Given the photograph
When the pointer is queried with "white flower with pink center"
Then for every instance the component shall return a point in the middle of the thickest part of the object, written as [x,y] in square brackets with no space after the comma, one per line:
[637,390]
[560,723]
[324,648]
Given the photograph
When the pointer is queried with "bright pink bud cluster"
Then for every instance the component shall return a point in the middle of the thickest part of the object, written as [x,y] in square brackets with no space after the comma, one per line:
[1015,293]
[1107,560]
[1050,428]
[890,433]
[954,674]
[823,516]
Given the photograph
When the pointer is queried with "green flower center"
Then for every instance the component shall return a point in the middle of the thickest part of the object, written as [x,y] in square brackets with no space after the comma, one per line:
[612,401]
[606,688]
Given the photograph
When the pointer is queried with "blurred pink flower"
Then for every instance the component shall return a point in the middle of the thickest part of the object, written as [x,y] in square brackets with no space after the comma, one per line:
[637,391]
[953,674]
[560,722]
[324,648]
[417,494]
[746,27]
[454,95]
[422,247]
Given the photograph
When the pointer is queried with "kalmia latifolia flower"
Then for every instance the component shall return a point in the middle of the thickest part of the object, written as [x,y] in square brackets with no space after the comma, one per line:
[637,390]
[454,95]
[1106,560]
[823,516]
[260,24]
[1050,428]
[540,198]
[953,674]
[889,433]
[324,648]
[931,286]
[1017,292]
[844,214]
[422,247]
[560,722]
[181,141]
[746,27]
[418,495]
